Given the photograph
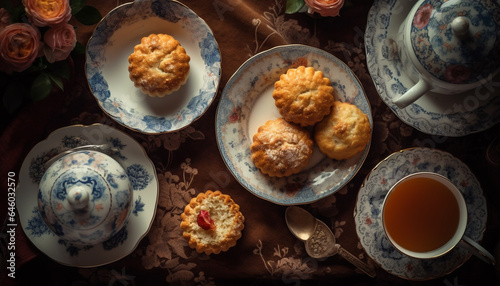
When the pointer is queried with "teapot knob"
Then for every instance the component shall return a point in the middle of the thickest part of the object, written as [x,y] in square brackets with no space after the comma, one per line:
[78,197]
[460,27]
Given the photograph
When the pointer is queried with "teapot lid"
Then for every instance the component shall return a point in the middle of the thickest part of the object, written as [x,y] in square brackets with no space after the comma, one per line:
[85,197]
[457,41]
[80,198]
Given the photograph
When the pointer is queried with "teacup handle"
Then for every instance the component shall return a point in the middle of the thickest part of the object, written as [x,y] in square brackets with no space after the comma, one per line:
[477,250]
[414,93]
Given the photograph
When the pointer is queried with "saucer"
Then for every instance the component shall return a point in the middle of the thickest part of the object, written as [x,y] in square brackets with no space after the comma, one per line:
[107,63]
[445,115]
[140,170]
[246,104]
[368,211]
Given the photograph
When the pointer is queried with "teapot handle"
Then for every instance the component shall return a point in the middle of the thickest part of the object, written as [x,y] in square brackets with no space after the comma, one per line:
[414,93]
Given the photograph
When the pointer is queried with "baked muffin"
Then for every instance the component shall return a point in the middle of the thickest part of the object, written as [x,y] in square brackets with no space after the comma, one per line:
[281,148]
[303,95]
[344,132]
[159,65]
[212,222]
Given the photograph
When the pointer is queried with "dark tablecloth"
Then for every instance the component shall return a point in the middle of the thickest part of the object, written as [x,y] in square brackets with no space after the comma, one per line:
[267,253]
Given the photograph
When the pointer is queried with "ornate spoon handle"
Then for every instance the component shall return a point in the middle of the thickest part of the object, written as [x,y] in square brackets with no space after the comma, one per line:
[355,261]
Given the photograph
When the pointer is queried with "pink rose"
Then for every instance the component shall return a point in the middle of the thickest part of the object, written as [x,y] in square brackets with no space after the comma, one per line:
[59,42]
[48,12]
[19,47]
[325,7]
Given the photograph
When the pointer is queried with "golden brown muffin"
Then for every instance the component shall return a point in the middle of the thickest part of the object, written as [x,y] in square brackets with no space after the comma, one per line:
[303,95]
[344,132]
[159,65]
[212,222]
[281,148]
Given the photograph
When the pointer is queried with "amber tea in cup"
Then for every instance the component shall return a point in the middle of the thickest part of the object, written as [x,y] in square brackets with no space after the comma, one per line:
[424,215]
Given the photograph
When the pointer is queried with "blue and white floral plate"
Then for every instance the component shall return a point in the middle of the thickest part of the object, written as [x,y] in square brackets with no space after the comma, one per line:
[368,213]
[443,115]
[139,168]
[107,66]
[247,103]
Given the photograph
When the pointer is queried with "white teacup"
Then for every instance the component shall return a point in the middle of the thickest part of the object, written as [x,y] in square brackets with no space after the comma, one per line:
[424,216]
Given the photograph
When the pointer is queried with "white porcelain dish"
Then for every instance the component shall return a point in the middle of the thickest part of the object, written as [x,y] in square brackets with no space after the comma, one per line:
[140,170]
[107,66]
[247,103]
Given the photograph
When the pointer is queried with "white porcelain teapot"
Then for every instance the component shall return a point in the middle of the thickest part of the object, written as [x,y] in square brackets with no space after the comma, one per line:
[449,46]
[85,197]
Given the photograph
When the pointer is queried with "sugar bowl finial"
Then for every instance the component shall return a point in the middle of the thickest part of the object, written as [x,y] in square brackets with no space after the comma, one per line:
[85,197]
[78,197]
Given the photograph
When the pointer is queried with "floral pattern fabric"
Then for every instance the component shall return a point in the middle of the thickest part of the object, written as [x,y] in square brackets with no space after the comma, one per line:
[188,162]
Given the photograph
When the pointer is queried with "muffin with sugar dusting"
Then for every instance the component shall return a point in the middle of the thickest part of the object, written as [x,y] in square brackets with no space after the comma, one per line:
[212,222]
[281,148]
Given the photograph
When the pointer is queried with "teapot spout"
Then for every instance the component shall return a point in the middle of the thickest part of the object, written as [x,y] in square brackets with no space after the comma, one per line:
[414,93]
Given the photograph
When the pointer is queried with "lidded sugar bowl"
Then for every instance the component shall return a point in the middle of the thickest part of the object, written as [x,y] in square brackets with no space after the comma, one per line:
[85,197]
[449,46]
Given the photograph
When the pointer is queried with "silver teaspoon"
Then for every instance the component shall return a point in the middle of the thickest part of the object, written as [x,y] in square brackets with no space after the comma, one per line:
[318,238]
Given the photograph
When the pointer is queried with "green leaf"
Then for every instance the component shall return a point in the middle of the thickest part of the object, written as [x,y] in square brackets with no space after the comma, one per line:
[38,65]
[88,15]
[41,87]
[56,80]
[60,69]
[294,6]
[76,6]
[79,49]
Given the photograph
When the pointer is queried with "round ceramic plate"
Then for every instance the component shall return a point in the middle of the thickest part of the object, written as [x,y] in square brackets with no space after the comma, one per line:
[107,66]
[247,103]
[140,170]
[368,214]
[446,115]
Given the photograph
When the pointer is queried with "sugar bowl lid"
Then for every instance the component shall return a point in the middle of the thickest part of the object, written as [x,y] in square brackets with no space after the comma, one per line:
[85,197]
[457,41]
